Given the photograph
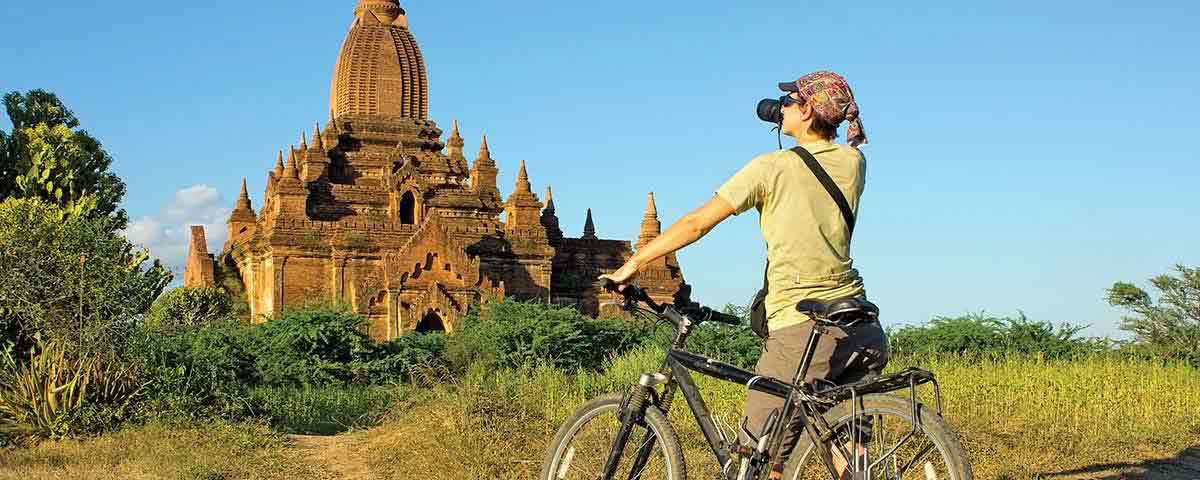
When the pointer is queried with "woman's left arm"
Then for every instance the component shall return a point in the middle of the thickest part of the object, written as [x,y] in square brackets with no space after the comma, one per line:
[682,233]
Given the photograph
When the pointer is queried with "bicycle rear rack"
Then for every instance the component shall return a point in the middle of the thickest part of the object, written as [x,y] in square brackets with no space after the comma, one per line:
[908,378]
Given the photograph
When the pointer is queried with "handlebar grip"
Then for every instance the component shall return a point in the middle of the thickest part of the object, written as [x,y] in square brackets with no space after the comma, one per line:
[725,318]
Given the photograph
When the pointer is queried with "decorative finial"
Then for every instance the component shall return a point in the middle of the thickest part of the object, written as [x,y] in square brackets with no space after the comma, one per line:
[279,164]
[589,228]
[303,141]
[454,128]
[651,208]
[387,12]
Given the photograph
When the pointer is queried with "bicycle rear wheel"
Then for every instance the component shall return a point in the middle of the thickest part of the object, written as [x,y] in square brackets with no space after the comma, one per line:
[581,446]
[931,452]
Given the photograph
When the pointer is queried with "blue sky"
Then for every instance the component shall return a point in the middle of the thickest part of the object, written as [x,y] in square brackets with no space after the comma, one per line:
[1024,155]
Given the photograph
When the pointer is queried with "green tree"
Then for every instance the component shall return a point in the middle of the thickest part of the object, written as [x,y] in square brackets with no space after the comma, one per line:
[76,278]
[47,156]
[1170,326]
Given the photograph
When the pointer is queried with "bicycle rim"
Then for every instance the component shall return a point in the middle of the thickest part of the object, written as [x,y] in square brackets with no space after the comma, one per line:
[897,451]
[584,449]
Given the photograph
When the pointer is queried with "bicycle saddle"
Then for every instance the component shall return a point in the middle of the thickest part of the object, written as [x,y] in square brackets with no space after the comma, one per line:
[838,308]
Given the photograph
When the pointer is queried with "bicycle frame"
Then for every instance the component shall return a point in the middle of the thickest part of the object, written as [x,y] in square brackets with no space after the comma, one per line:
[799,400]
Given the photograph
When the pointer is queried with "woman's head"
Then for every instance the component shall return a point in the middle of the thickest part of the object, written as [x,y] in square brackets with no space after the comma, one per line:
[817,103]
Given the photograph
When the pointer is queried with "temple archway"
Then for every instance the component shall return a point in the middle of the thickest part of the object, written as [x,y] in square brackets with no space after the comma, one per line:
[408,208]
[431,322]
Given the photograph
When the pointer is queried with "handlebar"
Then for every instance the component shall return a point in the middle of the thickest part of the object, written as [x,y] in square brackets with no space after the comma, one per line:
[695,312]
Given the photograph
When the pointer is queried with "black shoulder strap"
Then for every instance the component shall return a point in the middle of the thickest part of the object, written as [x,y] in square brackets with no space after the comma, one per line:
[827,182]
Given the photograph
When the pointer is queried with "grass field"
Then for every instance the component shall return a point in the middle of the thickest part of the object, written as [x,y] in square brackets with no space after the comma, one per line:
[1019,418]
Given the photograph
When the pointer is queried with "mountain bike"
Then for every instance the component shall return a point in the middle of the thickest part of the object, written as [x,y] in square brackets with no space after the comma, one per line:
[876,435]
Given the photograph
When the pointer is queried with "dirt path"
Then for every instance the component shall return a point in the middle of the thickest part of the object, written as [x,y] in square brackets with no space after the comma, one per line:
[1184,466]
[337,454]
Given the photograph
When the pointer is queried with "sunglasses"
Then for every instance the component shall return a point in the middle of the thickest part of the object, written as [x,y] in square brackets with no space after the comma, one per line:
[787,100]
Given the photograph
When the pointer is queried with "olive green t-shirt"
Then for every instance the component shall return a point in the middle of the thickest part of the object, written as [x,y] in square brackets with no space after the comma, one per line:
[808,244]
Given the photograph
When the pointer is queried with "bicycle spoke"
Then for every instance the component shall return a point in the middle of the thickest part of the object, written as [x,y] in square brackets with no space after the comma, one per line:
[894,451]
[589,449]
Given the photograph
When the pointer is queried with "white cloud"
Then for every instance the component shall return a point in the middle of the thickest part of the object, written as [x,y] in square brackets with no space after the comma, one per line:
[166,234]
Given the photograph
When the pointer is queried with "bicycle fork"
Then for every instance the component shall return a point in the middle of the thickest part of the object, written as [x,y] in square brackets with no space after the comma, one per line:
[639,399]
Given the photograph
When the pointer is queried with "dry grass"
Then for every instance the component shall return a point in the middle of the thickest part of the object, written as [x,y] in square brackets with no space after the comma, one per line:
[1019,418]
[215,452]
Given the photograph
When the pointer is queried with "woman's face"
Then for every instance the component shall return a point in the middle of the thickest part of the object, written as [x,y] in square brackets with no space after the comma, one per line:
[797,116]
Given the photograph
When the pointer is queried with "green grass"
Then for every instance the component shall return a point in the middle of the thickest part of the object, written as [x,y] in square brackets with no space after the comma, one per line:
[323,410]
[1019,417]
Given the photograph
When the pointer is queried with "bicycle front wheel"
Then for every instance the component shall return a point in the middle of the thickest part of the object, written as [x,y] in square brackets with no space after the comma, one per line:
[582,445]
[899,448]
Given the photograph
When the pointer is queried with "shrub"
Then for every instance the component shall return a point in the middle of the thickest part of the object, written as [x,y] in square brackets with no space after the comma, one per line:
[38,397]
[58,393]
[980,334]
[509,333]
[73,279]
[416,357]
[189,308]
[196,373]
[321,344]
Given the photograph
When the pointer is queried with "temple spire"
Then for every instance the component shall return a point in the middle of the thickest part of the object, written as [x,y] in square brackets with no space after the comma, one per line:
[303,142]
[317,142]
[589,228]
[243,201]
[523,185]
[484,153]
[549,220]
[455,143]
[651,227]
[289,170]
[483,172]
[279,164]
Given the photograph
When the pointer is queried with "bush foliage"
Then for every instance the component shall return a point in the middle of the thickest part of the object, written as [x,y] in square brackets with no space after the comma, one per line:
[512,334]
[980,334]
[72,279]
[189,308]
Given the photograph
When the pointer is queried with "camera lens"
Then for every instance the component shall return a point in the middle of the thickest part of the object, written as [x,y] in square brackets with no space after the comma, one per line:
[770,110]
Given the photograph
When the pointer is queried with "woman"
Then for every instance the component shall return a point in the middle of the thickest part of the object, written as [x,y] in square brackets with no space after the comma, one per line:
[808,242]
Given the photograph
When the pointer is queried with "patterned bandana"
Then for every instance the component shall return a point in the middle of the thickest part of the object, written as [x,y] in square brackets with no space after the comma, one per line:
[832,100]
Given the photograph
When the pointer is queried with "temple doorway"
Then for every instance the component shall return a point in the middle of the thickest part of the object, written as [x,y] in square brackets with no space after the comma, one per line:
[408,209]
[432,322]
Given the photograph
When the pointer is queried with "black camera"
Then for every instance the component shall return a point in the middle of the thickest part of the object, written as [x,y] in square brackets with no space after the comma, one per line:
[771,110]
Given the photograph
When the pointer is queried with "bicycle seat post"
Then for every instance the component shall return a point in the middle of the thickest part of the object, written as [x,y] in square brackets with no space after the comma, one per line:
[813,337]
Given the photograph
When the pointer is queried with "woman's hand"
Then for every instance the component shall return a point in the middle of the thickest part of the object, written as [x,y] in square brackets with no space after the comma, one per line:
[623,275]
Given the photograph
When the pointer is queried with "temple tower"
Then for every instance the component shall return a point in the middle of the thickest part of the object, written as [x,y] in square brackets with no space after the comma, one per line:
[380,70]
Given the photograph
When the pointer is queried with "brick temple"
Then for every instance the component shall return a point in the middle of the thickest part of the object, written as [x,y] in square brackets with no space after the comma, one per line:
[376,210]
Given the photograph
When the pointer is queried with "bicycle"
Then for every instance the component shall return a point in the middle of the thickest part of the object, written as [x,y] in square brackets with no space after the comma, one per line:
[857,417]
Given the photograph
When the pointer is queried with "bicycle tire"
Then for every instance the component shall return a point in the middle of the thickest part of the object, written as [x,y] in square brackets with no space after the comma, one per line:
[668,442]
[955,465]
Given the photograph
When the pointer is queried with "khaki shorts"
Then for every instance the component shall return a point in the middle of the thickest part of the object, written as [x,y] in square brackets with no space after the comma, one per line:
[841,356]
